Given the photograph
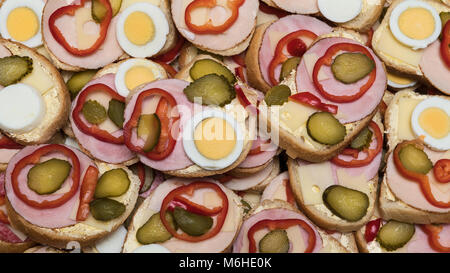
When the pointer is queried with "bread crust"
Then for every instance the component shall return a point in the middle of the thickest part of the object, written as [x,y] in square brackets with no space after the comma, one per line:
[244,172]
[6,247]
[369,14]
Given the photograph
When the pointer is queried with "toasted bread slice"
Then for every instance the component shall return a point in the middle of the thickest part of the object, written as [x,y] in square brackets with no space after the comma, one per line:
[312,10]
[45,249]
[6,247]
[371,11]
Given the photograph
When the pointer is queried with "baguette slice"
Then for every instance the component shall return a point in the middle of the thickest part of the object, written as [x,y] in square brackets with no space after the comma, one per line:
[371,11]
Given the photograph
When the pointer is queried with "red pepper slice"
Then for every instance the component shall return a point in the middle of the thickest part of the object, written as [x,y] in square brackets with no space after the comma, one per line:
[243,100]
[289,195]
[372,229]
[34,158]
[94,130]
[417,177]
[281,224]
[208,27]
[239,71]
[141,174]
[271,10]
[327,60]
[433,237]
[369,38]
[169,69]
[441,171]
[87,192]
[371,153]
[312,100]
[189,189]
[239,59]
[445,44]
[166,142]
[70,10]
[173,53]
[7,143]
[279,56]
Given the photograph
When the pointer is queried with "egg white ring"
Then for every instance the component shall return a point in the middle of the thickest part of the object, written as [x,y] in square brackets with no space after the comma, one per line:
[442,144]
[397,85]
[196,156]
[36,5]
[398,34]
[332,16]
[119,79]
[113,242]
[161,31]
[151,248]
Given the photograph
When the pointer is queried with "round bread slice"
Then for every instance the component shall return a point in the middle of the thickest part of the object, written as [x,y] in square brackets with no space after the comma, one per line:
[6,247]
[370,12]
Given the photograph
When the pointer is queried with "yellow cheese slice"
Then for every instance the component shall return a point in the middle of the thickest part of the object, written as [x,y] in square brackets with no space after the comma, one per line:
[38,78]
[211,200]
[314,179]
[359,183]
[86,28]
[405,108]
[294,115]
[390,46]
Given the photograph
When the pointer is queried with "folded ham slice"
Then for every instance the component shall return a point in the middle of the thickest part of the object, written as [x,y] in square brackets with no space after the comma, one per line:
[434,68]
[300,7]
[249,182]
[276,188]
[259,159]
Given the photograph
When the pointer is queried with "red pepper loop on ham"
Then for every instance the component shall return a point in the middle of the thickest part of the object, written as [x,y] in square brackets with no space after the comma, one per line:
[434,232]
[7,143]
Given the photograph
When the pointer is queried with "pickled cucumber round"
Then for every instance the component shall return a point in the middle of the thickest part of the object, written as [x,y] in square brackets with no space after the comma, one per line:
[14,68]
[277,95]
[112,183]
[324,128]
[348,204]
[149,128]
[94,112]
[191,223]
[287,67]
[208,66]
[154,231]
[394,235]
[115,112]
[47,177]
[211,89]
[362,140]
[276,241]
[78,81]
[351,67]
[105,209]
[99,11]
[415,160]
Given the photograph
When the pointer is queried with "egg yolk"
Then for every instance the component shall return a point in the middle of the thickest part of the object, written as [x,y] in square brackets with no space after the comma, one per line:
[22,24]
[214,138]
[435,122]
[416,23]
[138,75]
[399,79]
[139,28]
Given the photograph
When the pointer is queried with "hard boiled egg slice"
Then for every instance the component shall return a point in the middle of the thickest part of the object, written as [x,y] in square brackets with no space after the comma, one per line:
[20,21]
[415,23]
[135,72]
[431,120]
[398,81]
[340,11]
[113,242]
[213,139]
[142,30]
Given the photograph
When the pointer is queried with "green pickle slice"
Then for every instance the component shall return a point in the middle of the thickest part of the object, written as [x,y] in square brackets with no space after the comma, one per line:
[78,81]
[394,235]
[348,204]
[14,68]
[99,11]
[277,95]
[212,89]
[276,241]
[351,67]
[149,128]
[415,160]
[112,183]
[154,231]
[191,223]
[324,128]
[47,177]
[362,140]
[208,66]
[94,112]
[115,112]
[105,209]
[287,67]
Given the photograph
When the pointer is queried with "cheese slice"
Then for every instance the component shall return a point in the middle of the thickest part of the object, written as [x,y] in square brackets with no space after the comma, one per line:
[314,179]
[310,60]
[86,29]
[211,200]
[294,115]
[405,109]
[104,99]
[39,79]
[359,183]
[390,46]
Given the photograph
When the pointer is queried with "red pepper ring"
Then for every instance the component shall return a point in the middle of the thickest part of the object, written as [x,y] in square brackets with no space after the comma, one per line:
[312,100]
[34,158]
[70,10]
[327,60]
[7,143]
[208,27]
[289,194]
[441,170]
[94,130]
[433,237]
[173,53]
[281,224]
[371,153]
[445,44]
[189,189]
[87,192]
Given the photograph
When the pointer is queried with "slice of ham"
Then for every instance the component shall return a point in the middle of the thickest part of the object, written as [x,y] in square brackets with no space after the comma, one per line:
[6,235]
[276,189]
[2,184]
[47,218]
[108,52]
[409,191]
[242,243]
[434,68]
[419,242]
[233,36]
[300,7]
[7,154]
[159,178]
[351,111]
[104,151]
[269,152]
[4,52]
[177,159]
[276,31]
[246,183]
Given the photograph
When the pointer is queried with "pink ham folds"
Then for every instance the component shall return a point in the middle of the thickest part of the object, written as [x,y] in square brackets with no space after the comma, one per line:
[434,68]
[267,154]
[299,7]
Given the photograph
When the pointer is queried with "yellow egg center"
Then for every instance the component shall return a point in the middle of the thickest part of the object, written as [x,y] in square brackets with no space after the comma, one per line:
[214,138]
[22,24]
[139,28]
[138,75]
[416,23]
[399,79]
[435,122]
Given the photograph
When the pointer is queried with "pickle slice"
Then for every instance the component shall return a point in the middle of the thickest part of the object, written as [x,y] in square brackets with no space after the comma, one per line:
[99,11]
[276,241]
[154,231]
[246,206]
[94,112]
[415,159]
[14,68]
[394,234]
[115,112]
[351,67]
[191,223]
[324,128]
[362,140]
[78,81]
[112,183]
[47,177]
[287,67]
[208,66]
[105,209]
[348,204]
[149,128]
[212,89]
[277,95]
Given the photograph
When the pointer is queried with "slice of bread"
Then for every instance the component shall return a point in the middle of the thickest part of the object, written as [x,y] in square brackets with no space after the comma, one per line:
[243,172]
[371,11]
[6,247]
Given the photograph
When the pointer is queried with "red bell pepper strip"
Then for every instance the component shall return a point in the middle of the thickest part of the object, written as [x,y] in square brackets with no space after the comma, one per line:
[7,143]
[445,44]
[279,56]
[372,229]
[189,189]
[87,192]
[312,100]
[327,60]
[441,170]
[243,100]
[239,71]
[289,195]
[422,179]
[271,10]
[169,69]
[94,130]
[369,38]
[166,142]
[433,232]
[371,153]
[281,224]
[239,59]
[70,10]
[173,53]
[141,174]
[208,27]
[34,158]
